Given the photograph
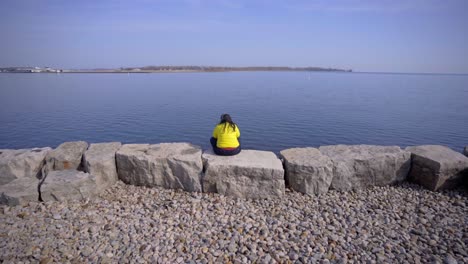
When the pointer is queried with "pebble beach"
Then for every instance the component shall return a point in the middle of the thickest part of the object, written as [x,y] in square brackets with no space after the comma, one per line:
[130,224]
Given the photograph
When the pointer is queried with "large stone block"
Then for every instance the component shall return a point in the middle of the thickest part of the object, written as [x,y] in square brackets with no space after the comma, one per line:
[360,166]
[99,160]
[67,156]
[250,174]
[68,185]
[169,165]
[437,167]
[307,170]
[21,163]
[19,191]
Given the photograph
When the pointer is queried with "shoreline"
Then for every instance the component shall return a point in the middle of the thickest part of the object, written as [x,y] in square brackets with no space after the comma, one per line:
[173,71]
[168,69]
[132,223]
[224,71]
[173,203]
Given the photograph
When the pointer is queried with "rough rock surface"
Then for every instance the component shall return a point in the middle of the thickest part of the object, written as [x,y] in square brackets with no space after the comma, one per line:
[19,192]
[307,170]
[250,174]
[360,166]
[68,185]
[437,167]
[67,156]
[21,163]
[99,160]
[169,165]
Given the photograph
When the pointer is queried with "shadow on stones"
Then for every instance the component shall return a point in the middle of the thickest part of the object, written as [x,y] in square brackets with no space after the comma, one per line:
[43,175]
[81,167]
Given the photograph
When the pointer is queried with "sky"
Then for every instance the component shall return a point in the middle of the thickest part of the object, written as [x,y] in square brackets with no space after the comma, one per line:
[422,36]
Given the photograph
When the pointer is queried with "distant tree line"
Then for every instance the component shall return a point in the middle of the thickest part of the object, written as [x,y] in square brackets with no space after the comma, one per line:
[218,68]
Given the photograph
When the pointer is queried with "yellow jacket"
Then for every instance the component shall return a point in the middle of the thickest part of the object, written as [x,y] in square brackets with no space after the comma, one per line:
[226,136]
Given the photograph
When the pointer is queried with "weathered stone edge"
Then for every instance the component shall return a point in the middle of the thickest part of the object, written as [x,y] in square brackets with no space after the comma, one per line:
[205,164]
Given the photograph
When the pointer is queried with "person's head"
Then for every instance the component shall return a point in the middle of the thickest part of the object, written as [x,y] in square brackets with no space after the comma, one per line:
[227,120]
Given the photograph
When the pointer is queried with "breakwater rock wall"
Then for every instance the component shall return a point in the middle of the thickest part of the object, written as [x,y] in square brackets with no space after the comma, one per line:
[78,170]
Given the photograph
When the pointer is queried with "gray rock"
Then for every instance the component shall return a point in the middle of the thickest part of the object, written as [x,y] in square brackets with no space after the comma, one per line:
[250,174]
[21,163]
[169,165]
[99,160]
[307,170]
[19,192]
[360,166]
[68,185]
[67,156]
[437,167]
[449,259]
[57,217]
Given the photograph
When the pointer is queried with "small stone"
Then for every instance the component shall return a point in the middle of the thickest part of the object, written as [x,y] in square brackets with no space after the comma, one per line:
[449,259]
[87,251]
[57,216]
[46,260]
[293,256]
[232,248]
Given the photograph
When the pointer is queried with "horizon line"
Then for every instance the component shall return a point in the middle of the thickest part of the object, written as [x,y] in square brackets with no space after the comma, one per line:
[349,70]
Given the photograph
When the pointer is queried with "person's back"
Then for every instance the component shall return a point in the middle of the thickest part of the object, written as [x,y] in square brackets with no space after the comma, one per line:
[227,136]
[225,140]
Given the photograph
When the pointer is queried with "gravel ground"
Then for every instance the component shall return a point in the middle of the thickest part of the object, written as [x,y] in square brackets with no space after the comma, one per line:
[400,224]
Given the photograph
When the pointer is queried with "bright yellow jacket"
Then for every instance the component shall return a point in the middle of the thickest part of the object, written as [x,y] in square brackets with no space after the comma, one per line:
[226,136]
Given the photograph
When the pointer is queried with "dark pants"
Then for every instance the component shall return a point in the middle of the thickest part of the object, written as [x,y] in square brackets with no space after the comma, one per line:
[224,152]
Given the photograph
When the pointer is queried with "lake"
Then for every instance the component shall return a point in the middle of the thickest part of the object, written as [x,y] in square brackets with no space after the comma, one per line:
[274,110]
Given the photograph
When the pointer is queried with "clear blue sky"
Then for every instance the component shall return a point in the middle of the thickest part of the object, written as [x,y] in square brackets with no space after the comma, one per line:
[373,35]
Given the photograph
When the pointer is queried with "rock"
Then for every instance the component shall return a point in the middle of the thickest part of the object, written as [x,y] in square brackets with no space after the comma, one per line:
[45,260]
[87,251]
[437,167]
[250,174]
[99,160]
[68,185]
[293,256]
[360,166]
[307,170]
[67,156]
[169,165]
[465,151]
[449,259]
[21,163]
[232,248]
[19,192]
[57,217]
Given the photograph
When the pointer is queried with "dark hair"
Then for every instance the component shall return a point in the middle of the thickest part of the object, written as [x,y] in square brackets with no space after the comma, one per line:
[226,119]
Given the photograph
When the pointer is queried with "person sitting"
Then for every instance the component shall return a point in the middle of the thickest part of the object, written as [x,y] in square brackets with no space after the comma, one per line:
[226,137]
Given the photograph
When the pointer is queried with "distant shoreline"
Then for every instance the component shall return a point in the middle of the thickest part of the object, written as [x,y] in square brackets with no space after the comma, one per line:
[167,69]
[198,71]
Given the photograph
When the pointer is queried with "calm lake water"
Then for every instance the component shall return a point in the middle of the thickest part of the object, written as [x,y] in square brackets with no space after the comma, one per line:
[274,110]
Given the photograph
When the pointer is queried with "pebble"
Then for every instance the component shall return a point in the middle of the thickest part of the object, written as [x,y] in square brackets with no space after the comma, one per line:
[450,260]
[293,256]
[392,224]
[57,216]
